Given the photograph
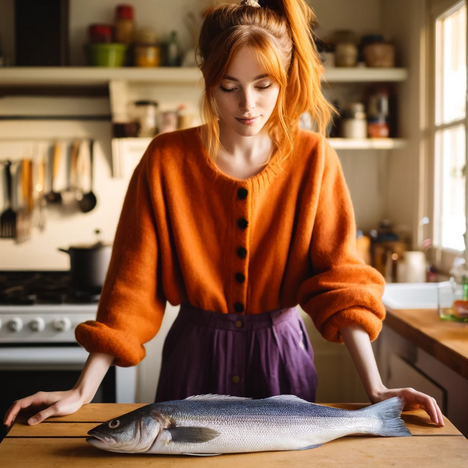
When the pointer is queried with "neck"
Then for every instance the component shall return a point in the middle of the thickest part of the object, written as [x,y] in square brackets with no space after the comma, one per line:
[251,148]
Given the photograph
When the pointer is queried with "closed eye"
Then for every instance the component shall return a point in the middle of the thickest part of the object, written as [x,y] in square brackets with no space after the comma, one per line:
[230,90]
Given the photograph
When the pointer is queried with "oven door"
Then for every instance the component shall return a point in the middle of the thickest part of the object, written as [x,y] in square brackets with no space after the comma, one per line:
[27,369]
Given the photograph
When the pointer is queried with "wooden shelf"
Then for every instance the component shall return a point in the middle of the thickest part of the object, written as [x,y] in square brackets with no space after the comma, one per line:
[98,76]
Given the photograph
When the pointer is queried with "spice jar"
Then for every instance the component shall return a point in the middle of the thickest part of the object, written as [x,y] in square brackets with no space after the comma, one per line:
[100,33]
[124,24]
[354,124]
[346,54]
[147,52]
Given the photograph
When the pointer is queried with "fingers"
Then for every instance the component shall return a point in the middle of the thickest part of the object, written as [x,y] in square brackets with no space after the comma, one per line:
[40,398]
[47,413]
[426,402]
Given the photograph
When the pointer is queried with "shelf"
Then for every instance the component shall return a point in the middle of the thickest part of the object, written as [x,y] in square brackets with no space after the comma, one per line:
[367,143]
[363,74]
[126,152]
[98,76]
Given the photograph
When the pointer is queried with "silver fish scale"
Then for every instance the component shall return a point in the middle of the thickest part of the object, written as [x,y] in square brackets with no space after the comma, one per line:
[259,425]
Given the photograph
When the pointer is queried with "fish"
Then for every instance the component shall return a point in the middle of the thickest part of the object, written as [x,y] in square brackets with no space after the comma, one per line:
[204,425]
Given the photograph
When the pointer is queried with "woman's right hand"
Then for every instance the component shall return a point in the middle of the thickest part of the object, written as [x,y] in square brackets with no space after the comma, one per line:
[56,403]
[67,402]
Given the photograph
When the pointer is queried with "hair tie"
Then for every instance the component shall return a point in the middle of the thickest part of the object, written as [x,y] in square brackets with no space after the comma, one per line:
[251,3]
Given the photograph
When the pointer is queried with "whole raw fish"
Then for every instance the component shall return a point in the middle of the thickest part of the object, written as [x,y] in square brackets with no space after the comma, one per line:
[216,424]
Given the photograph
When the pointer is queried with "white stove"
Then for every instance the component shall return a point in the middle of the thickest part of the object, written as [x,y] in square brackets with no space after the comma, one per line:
[41,323]
[39,313]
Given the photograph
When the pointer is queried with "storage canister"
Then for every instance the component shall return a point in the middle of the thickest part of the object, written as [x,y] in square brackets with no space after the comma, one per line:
[147,52]
[354,124]
[124,24]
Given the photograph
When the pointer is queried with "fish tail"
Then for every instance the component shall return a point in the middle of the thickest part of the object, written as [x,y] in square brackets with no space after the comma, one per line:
[388,412]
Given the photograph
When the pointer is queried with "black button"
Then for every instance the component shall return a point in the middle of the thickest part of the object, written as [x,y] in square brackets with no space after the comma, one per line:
[242,223]
[242,193]
[240,278]
[239,307]
[241,252]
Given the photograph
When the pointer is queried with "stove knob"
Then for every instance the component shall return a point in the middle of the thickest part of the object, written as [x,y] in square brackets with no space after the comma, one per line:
[62,324]
[37,324]
[15,325]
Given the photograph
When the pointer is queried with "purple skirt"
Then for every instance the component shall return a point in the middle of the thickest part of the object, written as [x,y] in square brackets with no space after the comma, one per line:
[234,354]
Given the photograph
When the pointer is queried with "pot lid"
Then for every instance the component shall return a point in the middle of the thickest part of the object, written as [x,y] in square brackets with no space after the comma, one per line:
[97,245]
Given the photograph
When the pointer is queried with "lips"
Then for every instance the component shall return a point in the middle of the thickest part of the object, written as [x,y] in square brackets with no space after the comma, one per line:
[247,121]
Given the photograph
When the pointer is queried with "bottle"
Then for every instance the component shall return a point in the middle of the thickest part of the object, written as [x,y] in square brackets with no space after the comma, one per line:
[172,51]
[124,24]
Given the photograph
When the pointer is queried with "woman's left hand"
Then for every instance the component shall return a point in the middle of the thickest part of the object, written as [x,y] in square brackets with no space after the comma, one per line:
[413,400]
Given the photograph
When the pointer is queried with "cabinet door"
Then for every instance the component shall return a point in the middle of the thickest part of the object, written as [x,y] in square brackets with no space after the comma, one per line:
[403,374]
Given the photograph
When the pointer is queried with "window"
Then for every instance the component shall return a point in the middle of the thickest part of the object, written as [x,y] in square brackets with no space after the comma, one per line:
[449,137]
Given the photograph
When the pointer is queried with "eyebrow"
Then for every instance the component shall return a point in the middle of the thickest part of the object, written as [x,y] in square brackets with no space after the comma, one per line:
[259,77]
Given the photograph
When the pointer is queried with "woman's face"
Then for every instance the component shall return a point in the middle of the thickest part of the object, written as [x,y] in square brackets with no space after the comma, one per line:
[247,95]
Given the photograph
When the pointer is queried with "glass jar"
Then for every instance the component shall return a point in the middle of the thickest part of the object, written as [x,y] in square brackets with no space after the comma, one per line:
[145,114]
[452,298]
[346,54]
[379,55]
[100,33]
[147,52]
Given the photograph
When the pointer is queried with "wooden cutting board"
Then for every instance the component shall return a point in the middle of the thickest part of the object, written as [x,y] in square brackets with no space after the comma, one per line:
[61,442]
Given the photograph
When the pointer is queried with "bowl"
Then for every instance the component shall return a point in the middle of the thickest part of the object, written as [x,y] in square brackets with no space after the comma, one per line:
[106,55]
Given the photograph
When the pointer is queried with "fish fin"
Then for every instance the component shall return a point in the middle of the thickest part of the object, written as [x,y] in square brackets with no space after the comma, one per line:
[194,435]
[202,454]
[388,412]
[213,396]
[290,398]
[310,447]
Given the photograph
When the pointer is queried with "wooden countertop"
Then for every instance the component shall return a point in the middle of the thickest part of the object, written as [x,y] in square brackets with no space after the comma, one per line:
[60,442]
[445,340]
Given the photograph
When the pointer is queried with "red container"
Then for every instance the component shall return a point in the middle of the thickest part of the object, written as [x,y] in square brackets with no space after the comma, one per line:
[124,12]
[100,33]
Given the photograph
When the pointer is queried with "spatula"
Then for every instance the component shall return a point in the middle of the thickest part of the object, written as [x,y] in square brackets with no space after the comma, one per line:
[8,217]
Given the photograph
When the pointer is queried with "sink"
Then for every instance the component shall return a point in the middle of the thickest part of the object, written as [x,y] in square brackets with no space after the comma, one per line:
[410,296]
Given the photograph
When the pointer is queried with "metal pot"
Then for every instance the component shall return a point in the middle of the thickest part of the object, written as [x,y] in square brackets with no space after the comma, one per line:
[89,264]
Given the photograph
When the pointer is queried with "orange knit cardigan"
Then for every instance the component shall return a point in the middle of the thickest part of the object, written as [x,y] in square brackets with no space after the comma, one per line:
[190,233]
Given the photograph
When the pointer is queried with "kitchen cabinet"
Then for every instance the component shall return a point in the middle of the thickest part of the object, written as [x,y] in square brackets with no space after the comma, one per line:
[417,348]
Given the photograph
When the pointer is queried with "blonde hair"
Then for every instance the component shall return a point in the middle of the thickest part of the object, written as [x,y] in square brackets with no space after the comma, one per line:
[282,37]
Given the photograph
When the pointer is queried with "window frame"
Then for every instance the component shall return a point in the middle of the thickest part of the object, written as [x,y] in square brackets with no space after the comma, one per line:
[441,258]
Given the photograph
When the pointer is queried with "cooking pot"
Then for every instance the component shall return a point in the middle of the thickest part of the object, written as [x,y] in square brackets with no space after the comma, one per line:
[89,264]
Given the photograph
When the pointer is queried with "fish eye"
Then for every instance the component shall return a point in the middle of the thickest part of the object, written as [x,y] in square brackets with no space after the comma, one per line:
[114,423]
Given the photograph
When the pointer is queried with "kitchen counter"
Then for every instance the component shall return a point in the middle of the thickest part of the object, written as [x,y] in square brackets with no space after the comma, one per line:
[444,340]
[60,442]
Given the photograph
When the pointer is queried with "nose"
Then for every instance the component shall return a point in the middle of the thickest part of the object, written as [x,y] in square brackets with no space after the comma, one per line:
[247,101]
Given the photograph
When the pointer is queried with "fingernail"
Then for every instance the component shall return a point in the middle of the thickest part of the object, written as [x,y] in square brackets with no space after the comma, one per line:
[31,421]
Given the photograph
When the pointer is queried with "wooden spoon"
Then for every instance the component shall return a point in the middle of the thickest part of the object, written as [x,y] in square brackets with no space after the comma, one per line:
[53,196]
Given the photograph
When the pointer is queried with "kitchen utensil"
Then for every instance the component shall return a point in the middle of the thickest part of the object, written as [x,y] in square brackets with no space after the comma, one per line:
[22,216]
[8,217]
[89,200]
[69,196]
[40,219]
[89,264]
[54,197]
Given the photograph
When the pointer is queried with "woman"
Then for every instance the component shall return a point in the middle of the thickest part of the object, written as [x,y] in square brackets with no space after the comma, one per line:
[238,221]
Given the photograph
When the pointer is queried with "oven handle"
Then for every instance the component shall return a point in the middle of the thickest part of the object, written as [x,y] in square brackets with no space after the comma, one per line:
[43,358]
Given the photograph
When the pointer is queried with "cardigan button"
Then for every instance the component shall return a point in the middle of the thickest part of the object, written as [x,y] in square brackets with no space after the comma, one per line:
[238,324]
[241,252]
[239,307]
[235,379]
[242,223]
[240,278]
[242,193]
